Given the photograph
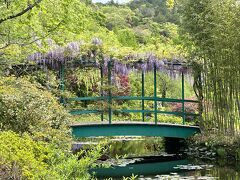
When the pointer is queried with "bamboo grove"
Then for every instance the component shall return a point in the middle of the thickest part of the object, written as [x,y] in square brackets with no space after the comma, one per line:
[213,29]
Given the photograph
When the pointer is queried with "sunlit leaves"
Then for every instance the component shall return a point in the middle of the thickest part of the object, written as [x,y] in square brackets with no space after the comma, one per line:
[59,20]
[170,4]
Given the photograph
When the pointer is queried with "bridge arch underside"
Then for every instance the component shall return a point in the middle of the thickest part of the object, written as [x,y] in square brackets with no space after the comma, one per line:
[134,129]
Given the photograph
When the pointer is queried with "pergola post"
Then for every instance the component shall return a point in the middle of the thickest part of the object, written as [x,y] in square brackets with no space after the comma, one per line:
[143,94]
[183,108]
[155,93]
[109,92]
[101,88]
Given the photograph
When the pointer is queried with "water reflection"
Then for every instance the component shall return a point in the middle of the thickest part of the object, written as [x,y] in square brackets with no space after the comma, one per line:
[129,147]
[147,159]
[142,166]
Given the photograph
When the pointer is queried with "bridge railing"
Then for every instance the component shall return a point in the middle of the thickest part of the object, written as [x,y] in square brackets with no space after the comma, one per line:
[109,99]
[142,111]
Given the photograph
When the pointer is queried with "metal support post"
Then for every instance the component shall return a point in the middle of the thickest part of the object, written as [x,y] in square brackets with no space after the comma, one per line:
[143,94]
[183,108]
[109,92]
[155,93]
[101,88]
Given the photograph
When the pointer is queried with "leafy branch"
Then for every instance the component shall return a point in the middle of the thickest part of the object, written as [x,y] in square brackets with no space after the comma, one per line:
[33,41]
[31,6]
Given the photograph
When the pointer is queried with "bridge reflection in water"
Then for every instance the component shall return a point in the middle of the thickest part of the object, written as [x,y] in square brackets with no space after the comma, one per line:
[154,165]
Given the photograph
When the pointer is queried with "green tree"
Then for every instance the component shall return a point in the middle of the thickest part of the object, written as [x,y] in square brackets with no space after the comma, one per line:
[211,25]
[26,25]
[118,16]
[126,37]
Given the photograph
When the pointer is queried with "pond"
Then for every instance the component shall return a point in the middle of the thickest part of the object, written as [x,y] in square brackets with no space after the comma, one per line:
[146,158]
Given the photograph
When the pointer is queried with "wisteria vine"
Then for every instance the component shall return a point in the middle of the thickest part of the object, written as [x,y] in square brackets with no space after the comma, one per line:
[71,55]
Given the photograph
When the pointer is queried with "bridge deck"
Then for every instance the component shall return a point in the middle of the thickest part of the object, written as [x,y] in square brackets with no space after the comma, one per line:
[130,128]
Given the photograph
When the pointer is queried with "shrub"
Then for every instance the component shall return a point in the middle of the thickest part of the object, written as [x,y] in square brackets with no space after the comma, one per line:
[34,135]
[27,107]
[23,158]
[189,108]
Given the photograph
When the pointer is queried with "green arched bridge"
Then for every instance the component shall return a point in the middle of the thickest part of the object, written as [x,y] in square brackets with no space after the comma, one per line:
[133,129]
[128,128]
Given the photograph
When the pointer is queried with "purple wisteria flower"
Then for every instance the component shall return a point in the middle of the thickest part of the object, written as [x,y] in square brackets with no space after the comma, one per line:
[96,41]
[120,68]
[130,63]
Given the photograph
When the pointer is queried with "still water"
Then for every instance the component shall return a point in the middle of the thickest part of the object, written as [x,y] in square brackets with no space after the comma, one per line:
[147,159]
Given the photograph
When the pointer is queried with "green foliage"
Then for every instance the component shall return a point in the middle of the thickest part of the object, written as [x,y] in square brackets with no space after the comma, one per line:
[158,11]
[23,158]
[224,146]
[124,29]
[118,17]
[26,107]
[48,20]
[83,82]
[126,37]
[211,26]
[170,4]
[39,146]
[135,148]
[77,166]
[166,86]
[132,177]
[140,28]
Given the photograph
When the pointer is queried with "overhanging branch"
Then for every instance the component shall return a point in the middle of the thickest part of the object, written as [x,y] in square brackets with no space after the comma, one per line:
[22,12]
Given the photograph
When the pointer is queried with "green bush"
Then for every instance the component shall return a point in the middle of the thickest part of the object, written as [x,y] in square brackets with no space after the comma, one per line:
[35,135]
[23,158]
[72,167]
[27,107]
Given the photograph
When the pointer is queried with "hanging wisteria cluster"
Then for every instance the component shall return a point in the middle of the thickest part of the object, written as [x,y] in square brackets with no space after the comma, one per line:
[71,55]
[173,68]
[58,55]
